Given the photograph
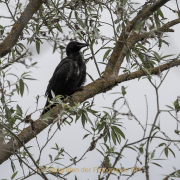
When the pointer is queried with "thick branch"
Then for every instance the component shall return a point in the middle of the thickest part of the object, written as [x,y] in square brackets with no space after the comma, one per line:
[12,38]
[143,14]
[92,89]
[133,39]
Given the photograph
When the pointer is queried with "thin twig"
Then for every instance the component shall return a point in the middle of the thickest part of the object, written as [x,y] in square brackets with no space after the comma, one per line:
[10,11]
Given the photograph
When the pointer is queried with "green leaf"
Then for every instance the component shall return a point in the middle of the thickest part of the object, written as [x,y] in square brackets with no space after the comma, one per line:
[157,56]
[87,118]
[19,110]
[162,144]
[29,78]
[123,89]
[100,126]
[37,29]
[131,148]
[13,166]
[118,131]
[105,138]
[59,27]
[24,154]
[78,115]
[166,152]
[100,151]
[114,103]
[172,152]
[86,136]
[159,12]
[92,43]
[79,20]
[53,95]
[170,107]
[90,76]
[176,104]
[13,56]
[83,118]
[141,150]
[154,134]
[152,154]
[55,47]
[50,157]
[113,137]
[106,54]
[12,121]
[12,177]
[38,46]
[8,112]
[156,164]
[95,30]
[21,86]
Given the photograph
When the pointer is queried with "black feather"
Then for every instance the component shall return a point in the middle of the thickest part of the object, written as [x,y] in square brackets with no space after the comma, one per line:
[69,75]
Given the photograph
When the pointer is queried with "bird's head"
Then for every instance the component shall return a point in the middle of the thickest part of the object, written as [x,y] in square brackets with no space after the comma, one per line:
[74,47]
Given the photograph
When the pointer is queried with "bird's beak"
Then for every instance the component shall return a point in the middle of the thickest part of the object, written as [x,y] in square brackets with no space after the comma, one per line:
[81,45]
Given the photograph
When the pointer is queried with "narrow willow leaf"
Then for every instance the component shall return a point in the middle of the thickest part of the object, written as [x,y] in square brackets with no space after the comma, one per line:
[12,177]
[118,131]
[50,157]
[59,28]
[156,164]
[13,166]
[170,107]
[172,152]
[55,46]
[123,89]
[90,76]
[86,136]
[19,110]
[106,54]
[83,119]
[166,152]
[113,137]
[38,47]
[13,56]
[79,21]
[100,151]
[37,29]
[21,86]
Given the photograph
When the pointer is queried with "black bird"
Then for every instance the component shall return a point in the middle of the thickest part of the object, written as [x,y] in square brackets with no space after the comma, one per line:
[69,75]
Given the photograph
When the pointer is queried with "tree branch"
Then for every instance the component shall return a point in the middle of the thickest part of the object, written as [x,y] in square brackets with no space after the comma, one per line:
[13,61]
[142,14]
[13,36]
[133,39]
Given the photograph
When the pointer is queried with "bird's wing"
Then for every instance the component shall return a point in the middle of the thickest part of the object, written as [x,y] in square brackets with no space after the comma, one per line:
[60,76]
